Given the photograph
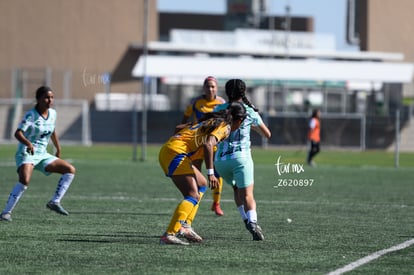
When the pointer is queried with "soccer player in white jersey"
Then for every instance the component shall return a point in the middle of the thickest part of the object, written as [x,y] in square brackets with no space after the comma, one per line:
[33,133]
[233,159]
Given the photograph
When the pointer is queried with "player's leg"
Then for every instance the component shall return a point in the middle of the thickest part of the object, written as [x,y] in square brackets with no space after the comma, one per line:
[246,195]
[240,205]
[178,168]
[217,196]
[216,192]
[202,187]
[25,173]
[317,148]
[188,187]
[68,174]
[186,229]
[314,149]
[310,153]
[244,179]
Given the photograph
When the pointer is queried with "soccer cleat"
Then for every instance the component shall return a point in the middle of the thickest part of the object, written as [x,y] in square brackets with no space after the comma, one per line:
[256,231]
[217,209]
[246,222]
[171,239]
[187,232]
[55,206]
[6,217]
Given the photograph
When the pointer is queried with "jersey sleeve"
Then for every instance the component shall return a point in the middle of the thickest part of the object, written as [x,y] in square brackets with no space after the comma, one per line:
[221,133]
[220,107]
[312,123]
[256,119]
[220,100]
[26,122]
[189,110]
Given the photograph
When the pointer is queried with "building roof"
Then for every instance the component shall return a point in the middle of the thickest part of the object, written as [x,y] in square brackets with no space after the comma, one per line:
[275,52]
[272,69]
[260,55]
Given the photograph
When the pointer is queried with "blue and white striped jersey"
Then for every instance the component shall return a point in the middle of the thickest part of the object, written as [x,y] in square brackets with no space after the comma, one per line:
[37,130]
[237,145]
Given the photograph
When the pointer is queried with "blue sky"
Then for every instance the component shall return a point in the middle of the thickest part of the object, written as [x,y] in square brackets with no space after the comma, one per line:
[329,15]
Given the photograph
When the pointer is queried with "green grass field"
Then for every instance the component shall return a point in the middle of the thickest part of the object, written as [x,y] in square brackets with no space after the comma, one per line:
[358,203]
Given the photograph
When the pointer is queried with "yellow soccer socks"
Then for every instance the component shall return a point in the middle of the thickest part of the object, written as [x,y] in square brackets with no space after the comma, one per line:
[217,191]
[191,216]
[183,210]
[216,198]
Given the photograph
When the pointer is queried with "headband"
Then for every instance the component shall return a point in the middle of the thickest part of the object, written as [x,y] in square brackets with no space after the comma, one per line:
[210,78]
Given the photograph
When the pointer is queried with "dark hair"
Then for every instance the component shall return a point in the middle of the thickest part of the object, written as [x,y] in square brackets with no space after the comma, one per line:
[237,111]
[314,113]
[41,91]
[235,90]
[211,121]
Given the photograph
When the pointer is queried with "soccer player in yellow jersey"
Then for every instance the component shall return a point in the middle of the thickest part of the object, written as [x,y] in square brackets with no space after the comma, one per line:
[175,160]
[195,110]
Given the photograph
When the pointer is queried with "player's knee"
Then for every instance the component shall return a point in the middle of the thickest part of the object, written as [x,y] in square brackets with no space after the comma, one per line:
[197,197]
[71,169]
[194,199]
[202,181]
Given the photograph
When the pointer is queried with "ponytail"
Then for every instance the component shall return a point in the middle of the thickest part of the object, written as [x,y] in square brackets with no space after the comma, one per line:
[248,103]
[210,121]
[236,90]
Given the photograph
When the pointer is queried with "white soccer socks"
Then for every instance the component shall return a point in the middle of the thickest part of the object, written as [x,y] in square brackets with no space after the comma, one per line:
[14,197]
[62,187]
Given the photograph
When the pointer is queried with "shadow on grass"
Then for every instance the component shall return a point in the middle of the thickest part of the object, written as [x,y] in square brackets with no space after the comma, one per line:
[131,238]
[121,237]
[117,213]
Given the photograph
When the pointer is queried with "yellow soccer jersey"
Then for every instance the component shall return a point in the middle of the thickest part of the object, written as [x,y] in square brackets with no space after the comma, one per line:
[189,140]
[200,106]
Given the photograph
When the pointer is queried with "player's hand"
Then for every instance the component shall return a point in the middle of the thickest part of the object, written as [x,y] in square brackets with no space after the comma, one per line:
[30,149]
[213,182]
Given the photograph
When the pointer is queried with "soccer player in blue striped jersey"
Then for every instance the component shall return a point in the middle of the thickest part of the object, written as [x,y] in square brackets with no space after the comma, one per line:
[233,158]
[33,134]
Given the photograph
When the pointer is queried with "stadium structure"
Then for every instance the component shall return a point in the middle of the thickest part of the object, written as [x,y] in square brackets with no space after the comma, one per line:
[98,63]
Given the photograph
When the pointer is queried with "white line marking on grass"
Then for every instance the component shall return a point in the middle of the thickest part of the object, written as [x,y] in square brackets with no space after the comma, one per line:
[371,257]
[7,164]
[297,202]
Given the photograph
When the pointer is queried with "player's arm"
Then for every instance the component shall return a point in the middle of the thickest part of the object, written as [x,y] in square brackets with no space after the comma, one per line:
[56,143]
[187,113]
[262,130]
[19,135]
[184,120]
[208,157]
[312,124]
